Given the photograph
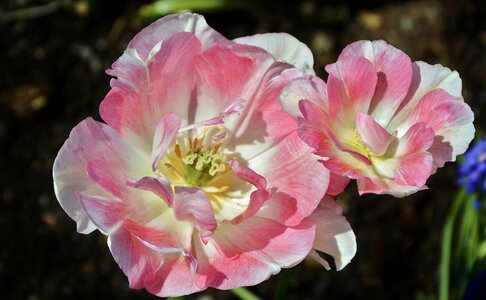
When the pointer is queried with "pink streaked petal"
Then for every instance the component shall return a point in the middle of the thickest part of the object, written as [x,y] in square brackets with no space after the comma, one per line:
[159,186]
[135,109]
[346,165]
[92,141]
[248,253]
[158,240]
[372,134]
[248,174]
[310,88]
[193,205]
[233,108]
[159,31]
[350,86]
[257,199]
[426,78]
[334,235]
[283,47]
[451,120]
[298,181]
[106,214]
[317,131]
[103,175]
[394,70]
[162,274]
[418,138]
[165,134]
[337,184]
[414,169]
[386,186]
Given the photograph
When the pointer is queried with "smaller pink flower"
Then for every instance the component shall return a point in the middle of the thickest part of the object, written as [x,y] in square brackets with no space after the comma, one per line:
[381,119]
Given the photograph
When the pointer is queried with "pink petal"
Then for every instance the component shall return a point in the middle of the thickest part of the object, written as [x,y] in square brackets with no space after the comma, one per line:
[350,86]
[414,169]
[298,181]
[310,88]
[137,101]
[283,47]
[96,142]
[163,274]
[386,186]
[165,134]
[193,205]
[102,174]
[159,186]
[161,30]
[426,78]
[451,120]
[248,253]
[394,70]
[334,235]
[258,197]
[418,138]
[106,214]
[337,184]
[372,134]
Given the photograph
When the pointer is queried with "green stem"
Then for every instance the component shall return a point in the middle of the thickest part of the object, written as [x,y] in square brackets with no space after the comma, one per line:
[244,294]
[447,245]
[283,284]
[30,12]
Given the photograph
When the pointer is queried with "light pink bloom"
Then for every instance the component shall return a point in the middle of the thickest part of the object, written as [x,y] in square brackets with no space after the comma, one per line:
[199,178]
[381,119]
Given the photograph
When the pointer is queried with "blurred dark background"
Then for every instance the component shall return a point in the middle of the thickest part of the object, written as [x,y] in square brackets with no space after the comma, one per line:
[52,60]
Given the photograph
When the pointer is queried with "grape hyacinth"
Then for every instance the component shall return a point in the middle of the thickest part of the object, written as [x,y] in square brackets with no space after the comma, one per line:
[472,172]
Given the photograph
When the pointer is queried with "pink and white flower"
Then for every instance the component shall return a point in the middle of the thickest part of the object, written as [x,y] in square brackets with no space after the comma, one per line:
[199,178]
[381,119]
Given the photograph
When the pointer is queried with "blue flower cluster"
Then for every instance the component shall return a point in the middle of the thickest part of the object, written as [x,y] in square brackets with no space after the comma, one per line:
[472,173]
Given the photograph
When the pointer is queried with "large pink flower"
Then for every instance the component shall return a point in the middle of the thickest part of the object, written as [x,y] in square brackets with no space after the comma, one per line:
[381,119]
[199,179]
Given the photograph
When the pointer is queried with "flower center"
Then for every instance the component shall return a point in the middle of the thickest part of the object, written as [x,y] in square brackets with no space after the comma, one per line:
[195,161]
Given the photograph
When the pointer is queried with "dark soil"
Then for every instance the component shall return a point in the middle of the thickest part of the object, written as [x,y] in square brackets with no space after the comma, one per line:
[52,76]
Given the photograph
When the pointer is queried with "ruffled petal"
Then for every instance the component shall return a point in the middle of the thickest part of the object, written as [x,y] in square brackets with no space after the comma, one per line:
[165,134]
[451,120]
[372,134]
[283,47]
[80,167]
[394,70]
[193,205]
[334,235]
[248,253]
[139,253]
[426,78]
[350,87]
[106,214]
[134,109]
[310,88]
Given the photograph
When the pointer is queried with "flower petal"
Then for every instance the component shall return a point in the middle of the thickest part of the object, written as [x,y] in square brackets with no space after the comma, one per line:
[106,214]
[193,205]
[159,186]
[163,274]
[140,95]
[258,197]
[283,47]
[165,134]
[249,252]
[350,87]
[100,144]
[334,235]
[147,39]
[394,70]
[425,79]
[372,134]
[310,88]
